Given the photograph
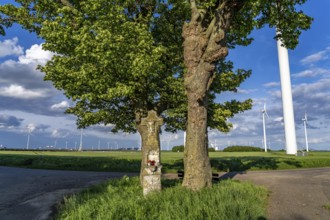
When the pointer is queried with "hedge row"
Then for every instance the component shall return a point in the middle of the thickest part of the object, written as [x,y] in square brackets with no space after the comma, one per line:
[241,149]
[180,148]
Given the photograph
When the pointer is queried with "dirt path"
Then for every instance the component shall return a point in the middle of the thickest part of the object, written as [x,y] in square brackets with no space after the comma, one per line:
[295,194]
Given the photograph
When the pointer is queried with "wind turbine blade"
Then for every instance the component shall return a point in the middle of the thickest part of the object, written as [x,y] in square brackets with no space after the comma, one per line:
[265,110]
[267,114]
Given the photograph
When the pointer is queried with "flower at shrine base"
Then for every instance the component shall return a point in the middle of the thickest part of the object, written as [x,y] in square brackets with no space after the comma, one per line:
[151,163]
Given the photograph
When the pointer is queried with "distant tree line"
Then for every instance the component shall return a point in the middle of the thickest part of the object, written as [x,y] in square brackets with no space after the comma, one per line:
[180,148]
[242,149]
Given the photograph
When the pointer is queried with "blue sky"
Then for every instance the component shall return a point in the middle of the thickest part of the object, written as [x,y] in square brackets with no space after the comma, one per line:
[27,103]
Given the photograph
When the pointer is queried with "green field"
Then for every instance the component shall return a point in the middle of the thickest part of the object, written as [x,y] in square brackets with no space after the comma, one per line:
[129,161]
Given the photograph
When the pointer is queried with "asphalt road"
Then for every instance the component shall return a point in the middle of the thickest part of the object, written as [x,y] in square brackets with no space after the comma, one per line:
[27,194]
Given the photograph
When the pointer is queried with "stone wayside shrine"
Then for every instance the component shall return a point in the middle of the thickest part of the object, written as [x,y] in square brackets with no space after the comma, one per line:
[151,165]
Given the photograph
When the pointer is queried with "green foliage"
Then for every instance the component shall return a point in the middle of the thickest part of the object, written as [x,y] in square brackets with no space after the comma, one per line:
[254,14]
[4,22]
[123,199]
[225,79]
[114,59]
[112,67]
[118,59]
[178,148]
[242,149]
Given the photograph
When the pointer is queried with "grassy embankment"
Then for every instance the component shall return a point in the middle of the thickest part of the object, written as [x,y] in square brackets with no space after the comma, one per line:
[128,161]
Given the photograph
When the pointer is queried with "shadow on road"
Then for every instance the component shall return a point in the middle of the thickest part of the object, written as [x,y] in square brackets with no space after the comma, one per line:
[230,175]
[238,164]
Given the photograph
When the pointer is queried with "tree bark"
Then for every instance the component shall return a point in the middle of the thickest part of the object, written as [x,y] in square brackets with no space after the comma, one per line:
[203,47]
[197,168]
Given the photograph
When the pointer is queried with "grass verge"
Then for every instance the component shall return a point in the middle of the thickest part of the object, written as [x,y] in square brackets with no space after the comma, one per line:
[123,199]
[127,161]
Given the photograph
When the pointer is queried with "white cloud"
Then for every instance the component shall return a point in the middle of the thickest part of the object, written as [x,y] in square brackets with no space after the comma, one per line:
[57,133]
[312,73]
[10,47]
[272,84]
[322,55]
[36,55]
[17,91]
[278,119]
[311,89]
[246,91]
[31,127]
[60,106]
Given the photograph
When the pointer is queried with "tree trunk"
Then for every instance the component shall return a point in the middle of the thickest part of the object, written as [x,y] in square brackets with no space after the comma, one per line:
[150,174]
[203,47]
[197,169]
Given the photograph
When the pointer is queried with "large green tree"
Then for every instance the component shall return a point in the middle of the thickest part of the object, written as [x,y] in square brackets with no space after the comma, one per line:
[107,60]
[118,60]
[214,27]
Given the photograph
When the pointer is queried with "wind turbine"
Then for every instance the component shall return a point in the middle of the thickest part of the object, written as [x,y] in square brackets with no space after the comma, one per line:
[168,138]
[117,145]
[81,143]
[140,142]
[29,132]
[184,138]
[305,126]
[264,113]
[214,144]
[1,126]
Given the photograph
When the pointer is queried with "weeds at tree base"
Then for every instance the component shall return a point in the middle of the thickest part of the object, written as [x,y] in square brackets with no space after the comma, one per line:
[123,199]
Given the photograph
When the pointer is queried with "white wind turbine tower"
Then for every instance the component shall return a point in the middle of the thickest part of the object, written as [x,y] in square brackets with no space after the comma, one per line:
[1,126]
[29,132]
[81,143]
[184,138]
[288,113]
[305,126]
[264,113]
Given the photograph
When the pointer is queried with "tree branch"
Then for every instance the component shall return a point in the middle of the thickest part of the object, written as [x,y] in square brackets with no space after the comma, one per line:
[210,28]
[194,11]
[193,5]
